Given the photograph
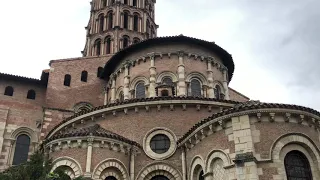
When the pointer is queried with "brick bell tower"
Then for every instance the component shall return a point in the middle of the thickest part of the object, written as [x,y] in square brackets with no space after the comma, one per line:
[116,24]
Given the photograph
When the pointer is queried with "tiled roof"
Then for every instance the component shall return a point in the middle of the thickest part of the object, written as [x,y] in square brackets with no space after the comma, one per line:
[249,105]
[23,79]
[115,60]
[143,100]
[95,130]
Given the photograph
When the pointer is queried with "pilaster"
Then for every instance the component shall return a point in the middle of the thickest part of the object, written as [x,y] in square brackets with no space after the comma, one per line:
[89,157]
[126,83]
[113,88]
[210,90]
[225,84]
[153,73]
[246,166]
[184,164]
[181,75]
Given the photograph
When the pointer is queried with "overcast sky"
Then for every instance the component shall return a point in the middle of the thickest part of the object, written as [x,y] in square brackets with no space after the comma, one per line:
[275,44]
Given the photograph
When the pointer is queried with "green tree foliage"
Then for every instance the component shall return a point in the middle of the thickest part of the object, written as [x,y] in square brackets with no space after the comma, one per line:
[37,168]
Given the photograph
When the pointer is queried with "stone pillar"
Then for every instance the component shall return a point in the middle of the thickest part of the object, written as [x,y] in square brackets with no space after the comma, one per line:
[181,76]
[153,73]
[117,17]
[89,157]
[113,87]
[225,84]
[126,83]
[184,164]
[132,164]
[105,91]
[210,90]
[246,167]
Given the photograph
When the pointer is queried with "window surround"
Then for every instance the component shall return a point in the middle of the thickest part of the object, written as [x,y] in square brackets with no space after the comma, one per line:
[134,82]
[110,163]
[67,161]
[156,131]
[196,162]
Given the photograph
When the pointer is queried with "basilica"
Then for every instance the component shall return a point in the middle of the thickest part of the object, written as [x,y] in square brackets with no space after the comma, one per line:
[136,106]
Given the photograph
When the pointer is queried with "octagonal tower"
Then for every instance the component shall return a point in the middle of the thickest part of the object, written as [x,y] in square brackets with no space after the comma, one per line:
[116,24]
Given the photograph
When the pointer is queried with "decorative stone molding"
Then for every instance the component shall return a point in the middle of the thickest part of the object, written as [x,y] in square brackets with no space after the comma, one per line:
[70,162]
[146,143]
[163,74]
[101,170]
[155,169]
[216,154]
[197,75]
[240,159]
[196,162]
[24,130]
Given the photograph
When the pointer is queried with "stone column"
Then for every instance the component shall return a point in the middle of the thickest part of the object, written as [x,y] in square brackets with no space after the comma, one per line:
[184,164]
[117,17]
[246,167]
[113,87]
[105,91]
[10,155]
[210,90]
[89,157]
[126,83]
[153,73]
[132,164]
[181,75]
[225,84]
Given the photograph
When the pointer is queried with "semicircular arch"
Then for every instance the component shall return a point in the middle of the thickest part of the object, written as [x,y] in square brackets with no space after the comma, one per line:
[195,162]
[69,162]
[154,169]
[24,130]
[136,80]
[216,154]
[167,74]
[197,75]
[99,171]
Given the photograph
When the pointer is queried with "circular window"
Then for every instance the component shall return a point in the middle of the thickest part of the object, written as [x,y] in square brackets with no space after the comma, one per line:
[160,143]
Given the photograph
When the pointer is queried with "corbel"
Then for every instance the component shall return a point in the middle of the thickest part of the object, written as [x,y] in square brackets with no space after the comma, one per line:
[196,137]
[136,109]
[259,117]
[159,107]
[209,108]
[202,58]
[211,128]
[195,57]
[92,118]
[111,146]
[171,107]
[271,117]
[101,144]
[198,107]
[203,134]
[59,145]
[184,107]
[301,119]
[103,115]
[169,55]
[114,113]
[221,109]
[147,108]
[186,146]
[79,141]
[121,148]
[222,124]
[287,117]
[160,55]
[74,125]
[190,142]
[125,110]
[189,55]
[51,148]
[83,121]
[69,144]
[144,59]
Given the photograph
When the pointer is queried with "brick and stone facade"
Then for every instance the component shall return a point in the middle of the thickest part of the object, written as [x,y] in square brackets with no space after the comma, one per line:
[99,115]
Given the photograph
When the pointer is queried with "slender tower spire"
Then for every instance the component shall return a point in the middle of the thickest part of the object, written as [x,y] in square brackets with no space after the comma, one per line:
[116,24]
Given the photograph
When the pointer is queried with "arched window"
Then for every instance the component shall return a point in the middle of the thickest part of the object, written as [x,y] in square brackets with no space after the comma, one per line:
[125,2]
[110,178]
[100,71]
[297,166]
[31,94]
[165,93]
[101,23]
[218,93]
[8,91]
[125,41]
[84,76]
[136,22]
[21,150]
[195,88]
[110,19]
[121,96]
[108,44]
[67,80]
[136,40]
[97,45]
[167,80]
[104,3]
[134,3]
[140,90]
[159,177]
[125,20]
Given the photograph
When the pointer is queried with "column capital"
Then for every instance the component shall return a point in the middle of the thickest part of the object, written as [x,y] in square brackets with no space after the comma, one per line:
[181,53]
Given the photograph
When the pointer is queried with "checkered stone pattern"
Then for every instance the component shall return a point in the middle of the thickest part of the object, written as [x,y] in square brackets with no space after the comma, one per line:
[219,173]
